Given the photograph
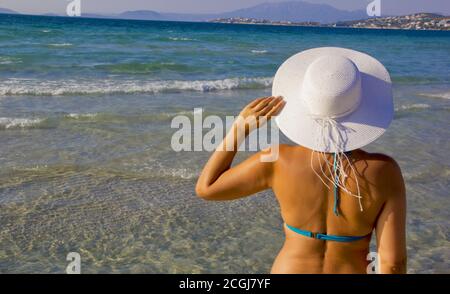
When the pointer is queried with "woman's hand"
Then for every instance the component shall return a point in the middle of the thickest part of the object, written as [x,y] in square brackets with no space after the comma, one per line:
[258,112]
[220,181]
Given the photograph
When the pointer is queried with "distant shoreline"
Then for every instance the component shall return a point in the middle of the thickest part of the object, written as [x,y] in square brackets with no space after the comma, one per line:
[325,26]
[418,22]
[274,24]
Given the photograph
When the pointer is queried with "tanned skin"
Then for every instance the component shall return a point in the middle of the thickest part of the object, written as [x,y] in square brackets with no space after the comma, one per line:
[306,203]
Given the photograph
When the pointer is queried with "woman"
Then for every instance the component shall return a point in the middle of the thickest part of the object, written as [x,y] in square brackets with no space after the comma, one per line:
[332,195]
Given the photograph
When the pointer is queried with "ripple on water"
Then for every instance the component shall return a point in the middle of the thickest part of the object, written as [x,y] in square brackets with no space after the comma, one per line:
[129,225]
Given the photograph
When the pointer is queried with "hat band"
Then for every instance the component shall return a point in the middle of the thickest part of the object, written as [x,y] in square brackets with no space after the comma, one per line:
[339,115]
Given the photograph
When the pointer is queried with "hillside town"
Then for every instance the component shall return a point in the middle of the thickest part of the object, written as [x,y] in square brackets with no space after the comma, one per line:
[249,20]
[418,21]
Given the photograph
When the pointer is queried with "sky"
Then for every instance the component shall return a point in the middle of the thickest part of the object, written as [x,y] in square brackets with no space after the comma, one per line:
[389,7]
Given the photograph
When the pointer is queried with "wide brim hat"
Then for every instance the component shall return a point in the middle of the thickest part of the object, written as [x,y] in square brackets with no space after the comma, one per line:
[337,99]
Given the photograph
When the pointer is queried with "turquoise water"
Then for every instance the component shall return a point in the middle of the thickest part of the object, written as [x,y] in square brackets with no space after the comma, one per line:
[87,166]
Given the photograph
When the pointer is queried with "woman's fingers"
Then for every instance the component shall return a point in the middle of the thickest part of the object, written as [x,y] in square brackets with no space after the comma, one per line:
[275,101]
[263,103]
[255,102]
[264,106]
[276,109]
[269,106]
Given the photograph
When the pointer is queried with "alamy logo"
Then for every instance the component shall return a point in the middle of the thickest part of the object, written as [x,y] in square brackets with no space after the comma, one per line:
[190,136]
[74,8]
[74,266]
[374,8]
[373,266]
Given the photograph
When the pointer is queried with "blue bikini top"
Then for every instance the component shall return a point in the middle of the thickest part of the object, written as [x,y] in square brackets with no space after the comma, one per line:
[327,237]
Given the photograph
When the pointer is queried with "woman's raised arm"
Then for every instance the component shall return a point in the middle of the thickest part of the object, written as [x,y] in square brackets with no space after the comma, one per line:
[220,181]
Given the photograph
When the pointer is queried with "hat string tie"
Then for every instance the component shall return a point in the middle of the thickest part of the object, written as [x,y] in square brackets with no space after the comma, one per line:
[329,128]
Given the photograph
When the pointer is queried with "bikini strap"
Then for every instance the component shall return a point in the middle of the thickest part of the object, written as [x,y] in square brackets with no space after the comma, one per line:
[325,237]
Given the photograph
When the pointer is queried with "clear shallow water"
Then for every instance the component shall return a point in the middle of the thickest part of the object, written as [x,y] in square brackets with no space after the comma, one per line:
[85,113]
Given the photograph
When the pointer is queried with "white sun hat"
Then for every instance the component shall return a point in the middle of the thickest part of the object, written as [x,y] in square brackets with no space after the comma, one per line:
[337,99]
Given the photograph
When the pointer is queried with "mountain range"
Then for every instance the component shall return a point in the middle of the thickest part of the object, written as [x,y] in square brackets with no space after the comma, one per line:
[8,11]
[295,11]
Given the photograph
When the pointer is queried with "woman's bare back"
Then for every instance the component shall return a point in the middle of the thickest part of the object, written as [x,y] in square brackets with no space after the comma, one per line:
[307,203]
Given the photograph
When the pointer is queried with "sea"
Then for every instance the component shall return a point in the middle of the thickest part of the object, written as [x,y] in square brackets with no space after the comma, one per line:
[87,164]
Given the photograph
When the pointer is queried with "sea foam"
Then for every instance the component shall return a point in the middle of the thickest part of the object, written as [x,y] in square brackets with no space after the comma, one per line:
[180,39]
[415,106]
[19,123]
[101,87]
[259,51]
[81,115]
[442,95]
[9,60]
[60,45]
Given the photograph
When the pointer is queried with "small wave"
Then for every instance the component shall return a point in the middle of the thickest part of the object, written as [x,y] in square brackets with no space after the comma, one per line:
[46,31]
[19,123]
[157,169]
[259,51]
[417,80]
[182,173]
[443,95]
[146,68]
[101,87]
[9,60]
[81,115]
[417,106]
[170,115]
[180,39]
[60,45]
[117,118]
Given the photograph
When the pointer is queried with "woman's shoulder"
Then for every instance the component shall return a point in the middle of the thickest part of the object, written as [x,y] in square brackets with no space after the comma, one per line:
[292,152]
[380,167]
[358,153]
[377,159]
[286,148]
[374,159]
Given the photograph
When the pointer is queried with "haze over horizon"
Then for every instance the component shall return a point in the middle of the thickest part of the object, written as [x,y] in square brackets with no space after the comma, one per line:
[392,7]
